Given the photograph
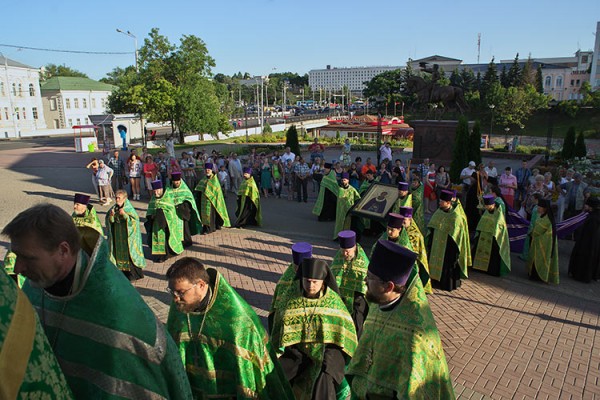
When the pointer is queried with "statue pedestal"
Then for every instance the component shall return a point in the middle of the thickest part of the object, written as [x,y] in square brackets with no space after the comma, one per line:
[434,140]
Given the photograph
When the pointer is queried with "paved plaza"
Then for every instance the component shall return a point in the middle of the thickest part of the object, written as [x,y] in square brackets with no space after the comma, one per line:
[504,338]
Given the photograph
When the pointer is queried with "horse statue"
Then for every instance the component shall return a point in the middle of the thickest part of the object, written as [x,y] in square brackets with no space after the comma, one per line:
[427,92]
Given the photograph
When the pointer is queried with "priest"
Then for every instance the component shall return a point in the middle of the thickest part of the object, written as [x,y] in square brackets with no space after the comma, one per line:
[248,210]
[584,264]
[185,205]
[491,243]
[347,196]
[325,207]
[417,245]
[87,221]
[211,203]
[162,225]
[542,263]
[404,197]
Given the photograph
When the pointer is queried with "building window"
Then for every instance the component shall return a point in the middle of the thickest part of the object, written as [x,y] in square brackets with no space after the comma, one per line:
[84,101]
[578,82]
[572,82]
[548,82]
[20,90]
[14,89]
[70,122]
[2,88]
[31,90]
[6,112]
[56,124]
[24,113]
[52,104]
[93,103]
[584,59]
[68,104]
[78,121]
[76,103]
[17,113]
[559,81]
[34,112]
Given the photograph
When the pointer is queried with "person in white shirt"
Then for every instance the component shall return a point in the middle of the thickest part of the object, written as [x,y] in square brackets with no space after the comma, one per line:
[170,146]
[465,176]
[235,172]
[491,170]
[386,151]
[223,180]
[288,155]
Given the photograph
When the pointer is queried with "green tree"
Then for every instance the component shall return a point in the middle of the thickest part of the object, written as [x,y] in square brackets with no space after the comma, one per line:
[504,78]
[267,129]
[514,74]
[291,140]
[475,143]
[461,149]
[580,149]
[489,79]
[50,70]
[539,79]
[528,74]
[568,150]
[387,84]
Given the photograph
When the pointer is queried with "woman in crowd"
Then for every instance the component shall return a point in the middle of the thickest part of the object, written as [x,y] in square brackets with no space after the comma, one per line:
[135,175]
[151,171]
[429,188]
[93,167]
[442,180]
[277,177]
[265,176]
[537,187]
[316,171]
[354,177]
[384,174]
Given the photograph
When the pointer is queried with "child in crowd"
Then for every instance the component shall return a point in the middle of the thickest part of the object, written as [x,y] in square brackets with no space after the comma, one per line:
[224,180]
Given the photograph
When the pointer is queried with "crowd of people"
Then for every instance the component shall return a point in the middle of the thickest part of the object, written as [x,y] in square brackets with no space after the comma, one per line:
[360,325]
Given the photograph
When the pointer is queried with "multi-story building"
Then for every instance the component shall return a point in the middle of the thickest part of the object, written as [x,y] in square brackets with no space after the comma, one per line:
[21,108]
[68,101]
[333,79]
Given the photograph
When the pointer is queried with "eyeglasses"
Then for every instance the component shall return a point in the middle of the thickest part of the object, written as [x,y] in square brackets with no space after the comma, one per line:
[180,295]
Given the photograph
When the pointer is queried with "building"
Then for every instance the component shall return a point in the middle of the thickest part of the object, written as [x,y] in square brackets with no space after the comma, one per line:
[68,101]
[334,79]
[21,108]
[595,63]
[446,63]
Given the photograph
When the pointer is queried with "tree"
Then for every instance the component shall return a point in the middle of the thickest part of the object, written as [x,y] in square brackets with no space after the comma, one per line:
[539,79]
[514,74]
[387,84]
[568,150]
[461,149]
[528,74]
[475,143]
[50,70]
[504,77]
[580,149]
[291,140]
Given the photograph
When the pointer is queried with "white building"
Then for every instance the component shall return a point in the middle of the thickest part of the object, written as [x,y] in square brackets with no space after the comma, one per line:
[68,101]
[333,79]
[21,108]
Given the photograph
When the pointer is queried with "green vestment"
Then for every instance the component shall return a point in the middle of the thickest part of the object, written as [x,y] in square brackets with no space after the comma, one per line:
[231,358]
[350,276]
[89,227]
[417,205]
[281,294]
[365,185]
[329,182]
[109,344]
[542,255]
[125,238]
[405,202]
[28,368]
[183,194]
[9,266]
[444,225]
[534,217]
[249,191]
[492,227]
[311,324]
[211,195]
[501,205]
[159,235]
[345,200]
[400,352]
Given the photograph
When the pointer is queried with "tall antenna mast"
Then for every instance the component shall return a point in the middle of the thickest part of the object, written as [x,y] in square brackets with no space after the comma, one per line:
[478,46]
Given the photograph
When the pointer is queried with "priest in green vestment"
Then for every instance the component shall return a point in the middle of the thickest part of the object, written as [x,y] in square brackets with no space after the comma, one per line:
[542,263]
[211,203]
[404,198]
[314,334]
[366,184]
[224,347]
[417,245]
[448,244]
[108,342]
[185,205]
[248,210]
[10,259]
[325,207]
[125,237]
[400,354]
[491,243]
[163,226]
[300,251]
[534,216]
[28,367]
[349,266]
[347,196]
[87,221]
[417,192]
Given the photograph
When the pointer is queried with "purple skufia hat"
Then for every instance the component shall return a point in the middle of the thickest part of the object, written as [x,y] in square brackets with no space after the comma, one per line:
[347,239]
[392,262]
[406,212]
[488,199]
[157,185]
[395,220]
[208,166]
[81,198]
[402,186]
[176,176]
[345,175]
[446,195]
[248,170]
[300,251]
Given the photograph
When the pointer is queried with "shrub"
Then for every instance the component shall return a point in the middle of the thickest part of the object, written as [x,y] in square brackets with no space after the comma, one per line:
[291,140]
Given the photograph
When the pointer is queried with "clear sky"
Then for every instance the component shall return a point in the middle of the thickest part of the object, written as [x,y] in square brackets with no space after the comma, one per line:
[258,36]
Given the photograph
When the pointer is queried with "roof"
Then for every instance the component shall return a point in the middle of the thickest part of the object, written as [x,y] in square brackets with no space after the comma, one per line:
[436,58]
[13,63]
[75,83]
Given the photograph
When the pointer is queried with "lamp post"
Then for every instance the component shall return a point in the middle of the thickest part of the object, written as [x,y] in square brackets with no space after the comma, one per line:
[492,106]
[551,105]
[379,101]
[131,35]
[141,104]
[506,130]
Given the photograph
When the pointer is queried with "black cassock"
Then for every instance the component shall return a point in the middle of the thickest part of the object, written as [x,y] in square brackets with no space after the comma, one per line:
[184,212]
[329,206]
[246,216]
[584,264]
[450,279]
[495,259]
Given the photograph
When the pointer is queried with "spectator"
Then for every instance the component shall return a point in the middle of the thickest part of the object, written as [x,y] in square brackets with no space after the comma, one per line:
[265,177]
[316,149]
[465,176]
[118,166]
[383,174]
[151,172]
[302,172]
[161,162]
[523,174]
[423,169]
[566,177]
[429,193]
[170,146]
[508,184]
[359,165]
[278,174]
[187,165]
[368,167]
[135,175]
[316,172]
[288,155]
[537,187]
[442,180]
[491,170]
[385,152]
[223,180]
[577,193]
[236,172]
[402,174]
[104,176]
[354,177]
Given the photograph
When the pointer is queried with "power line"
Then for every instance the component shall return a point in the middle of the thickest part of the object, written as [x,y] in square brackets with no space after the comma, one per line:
[66,51]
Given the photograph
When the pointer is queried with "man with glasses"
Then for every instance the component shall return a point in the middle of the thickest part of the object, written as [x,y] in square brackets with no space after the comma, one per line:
[221,340]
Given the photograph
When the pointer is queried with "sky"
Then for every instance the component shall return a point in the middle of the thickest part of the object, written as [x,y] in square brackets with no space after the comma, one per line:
[267,36]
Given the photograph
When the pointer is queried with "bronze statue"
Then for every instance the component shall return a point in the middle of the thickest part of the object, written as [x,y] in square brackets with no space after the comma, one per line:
[431,92]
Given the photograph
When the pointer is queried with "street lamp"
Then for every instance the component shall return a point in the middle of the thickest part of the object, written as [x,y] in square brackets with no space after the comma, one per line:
[379,101]
[551,105]
[492,106]
[140,105]
[131,35]
[506,130]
